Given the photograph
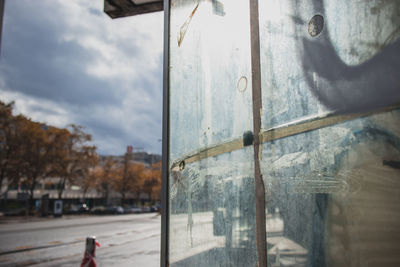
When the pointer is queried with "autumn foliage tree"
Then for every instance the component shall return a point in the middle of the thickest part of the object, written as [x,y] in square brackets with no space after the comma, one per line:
[73,157]
[31,151]
[130,180]
[88,182]
[152,182]
[104,176]
[9,143]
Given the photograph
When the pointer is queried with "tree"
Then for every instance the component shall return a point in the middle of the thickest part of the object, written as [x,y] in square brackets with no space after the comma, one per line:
[7,142]
[152,182]
[88,181]
[11,138]
[30,151]
[105,176]
[73,157]
[130,179]
[37,146]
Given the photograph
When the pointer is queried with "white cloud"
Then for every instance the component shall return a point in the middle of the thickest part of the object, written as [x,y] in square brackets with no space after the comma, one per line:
[39,110]
[105,37]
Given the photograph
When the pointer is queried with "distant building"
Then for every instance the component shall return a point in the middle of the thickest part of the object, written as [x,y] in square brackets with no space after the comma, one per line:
[139,157]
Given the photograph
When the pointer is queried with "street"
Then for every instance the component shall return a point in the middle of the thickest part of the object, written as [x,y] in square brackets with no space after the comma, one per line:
[126,240]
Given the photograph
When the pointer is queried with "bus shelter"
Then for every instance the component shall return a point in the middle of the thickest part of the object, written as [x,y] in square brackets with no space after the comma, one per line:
[281,133]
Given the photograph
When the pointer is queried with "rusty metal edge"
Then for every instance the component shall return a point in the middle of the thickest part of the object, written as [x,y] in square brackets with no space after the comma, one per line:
[259,189]
[315,123]
[208,152]
[275,133]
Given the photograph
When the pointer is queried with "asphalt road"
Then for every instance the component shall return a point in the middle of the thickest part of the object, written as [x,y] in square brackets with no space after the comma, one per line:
[126,240]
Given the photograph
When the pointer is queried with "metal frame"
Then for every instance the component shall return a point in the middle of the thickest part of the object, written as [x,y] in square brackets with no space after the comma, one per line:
[165,143]
[124,8]
[259,188]
[281,131]
[261,242]
[2,2]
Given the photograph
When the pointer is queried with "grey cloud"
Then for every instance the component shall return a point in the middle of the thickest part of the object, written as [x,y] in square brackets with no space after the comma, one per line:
[37,62]
[107,130]
[95,12]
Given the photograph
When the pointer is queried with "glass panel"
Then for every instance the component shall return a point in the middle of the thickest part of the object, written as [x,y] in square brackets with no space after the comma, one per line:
[332,194]
[210,74]
[212,212]
[319,57]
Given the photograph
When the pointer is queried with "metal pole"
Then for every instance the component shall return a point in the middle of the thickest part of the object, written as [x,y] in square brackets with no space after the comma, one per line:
[2,2]
[259,189]
[165,143]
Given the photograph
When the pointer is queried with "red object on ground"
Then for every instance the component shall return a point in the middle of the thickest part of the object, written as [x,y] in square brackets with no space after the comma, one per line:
[90,252]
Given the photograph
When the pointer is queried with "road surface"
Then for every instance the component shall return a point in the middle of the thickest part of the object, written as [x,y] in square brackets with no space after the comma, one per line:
[126,240]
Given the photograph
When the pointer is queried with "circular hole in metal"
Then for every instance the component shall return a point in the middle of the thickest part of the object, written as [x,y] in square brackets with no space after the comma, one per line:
[315,25]
[182,165]
[242,84]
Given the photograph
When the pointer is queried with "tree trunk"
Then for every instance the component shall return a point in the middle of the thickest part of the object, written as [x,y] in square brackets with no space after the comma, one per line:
[61,186]
[84,194]
[3,202]
[1,181]
[123,198]
[31,191]
[106,196]
[3,171]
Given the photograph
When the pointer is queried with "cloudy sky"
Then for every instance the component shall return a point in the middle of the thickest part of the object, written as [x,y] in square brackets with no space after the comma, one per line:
[67,62]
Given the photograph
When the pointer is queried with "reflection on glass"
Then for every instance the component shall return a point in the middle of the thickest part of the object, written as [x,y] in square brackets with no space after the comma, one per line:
[332,191]
[212,212]
[351,65]
[211,215]
[332,194]
[210,75]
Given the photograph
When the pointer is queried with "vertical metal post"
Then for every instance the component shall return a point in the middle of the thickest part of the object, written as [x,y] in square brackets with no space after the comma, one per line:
[165,143]
[257,107]
[2,2]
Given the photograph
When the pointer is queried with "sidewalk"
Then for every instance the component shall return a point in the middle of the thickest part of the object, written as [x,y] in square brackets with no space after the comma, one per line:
[29,218]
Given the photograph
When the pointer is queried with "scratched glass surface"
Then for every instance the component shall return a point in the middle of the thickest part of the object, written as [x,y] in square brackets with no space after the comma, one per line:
[210,75]
[319,57]
[332,194]
[212,212]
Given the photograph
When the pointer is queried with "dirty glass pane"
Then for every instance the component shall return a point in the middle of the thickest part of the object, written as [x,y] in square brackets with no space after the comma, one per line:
[332,56]
[211,201]
[212,212]
[332,193]
[210,75]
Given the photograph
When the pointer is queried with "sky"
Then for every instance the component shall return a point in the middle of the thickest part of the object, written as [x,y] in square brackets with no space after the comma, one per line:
[65,62]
